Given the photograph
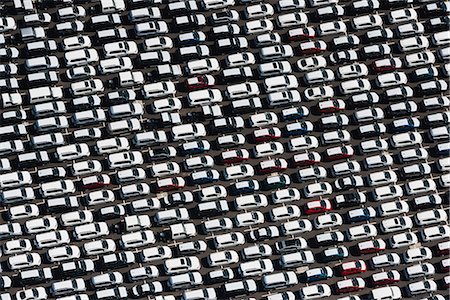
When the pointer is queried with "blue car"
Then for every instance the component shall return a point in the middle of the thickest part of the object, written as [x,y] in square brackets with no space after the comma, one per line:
[317,274]
[299,128]
[203,177]
[295,113]
[405,124]
[361,214]
[245,187]
[196,147]
[191,38]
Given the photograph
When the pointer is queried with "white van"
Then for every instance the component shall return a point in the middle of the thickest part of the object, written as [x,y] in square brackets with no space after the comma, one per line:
[112,6]
[88,117]
[47,140]
[182,231]
[62,204]
[149,137]
[49,108]
[112,145]
[44,94]
[159,89]
[71,152]
[68,286]
[296,259]
[386,293]
[174,215]
[204,97]
[188,131]
[186,280]
[114,65]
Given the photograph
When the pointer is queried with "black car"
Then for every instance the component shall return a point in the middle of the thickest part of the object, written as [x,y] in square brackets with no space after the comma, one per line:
[231,44]
[439,8]
[189,22]
[111,212]
[437,24]
[375,51]
[76,268]
[349,200]
[238,74]
[329,238]
[415,171]
[117,260]
[396,110]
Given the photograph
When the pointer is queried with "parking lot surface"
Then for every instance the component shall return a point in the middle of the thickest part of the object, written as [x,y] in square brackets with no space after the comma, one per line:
[394,141]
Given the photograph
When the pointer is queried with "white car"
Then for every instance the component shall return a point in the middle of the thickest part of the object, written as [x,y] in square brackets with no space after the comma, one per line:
[268,149]
[164,169]
[317,189]
[417,255]
[420,186]
[402,15]
[403,240]
[361,232]
[292,19]
[222,258]
[318,93]
[352,71]
[421,287]
[259,11]
[263,119]
[391,79]
[316,291]
[355,86]
[328,221]
[258,26]
[311,63]
[239,171]
[346,168]
[367,21]
[435,233]
[331,28]
[240,59]
[387,192]
[284,5]
[285,195]
[429,217]
[393,208]
[396,224]
[284,212]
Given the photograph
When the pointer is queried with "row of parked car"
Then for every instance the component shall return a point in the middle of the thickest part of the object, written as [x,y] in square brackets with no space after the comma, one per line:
[113,157]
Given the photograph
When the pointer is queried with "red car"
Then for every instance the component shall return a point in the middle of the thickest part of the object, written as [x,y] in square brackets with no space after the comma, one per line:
[200,82]
[95,181]
[272,165]
[331,106]
[352,267]
[443,248]
[169,184]
[317,206]
[340,152]
[312,47]
[234,156]
[301,34]
[386,65]
[383,278]
[371,246]
[266,134]
[306,159]
[349,285]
